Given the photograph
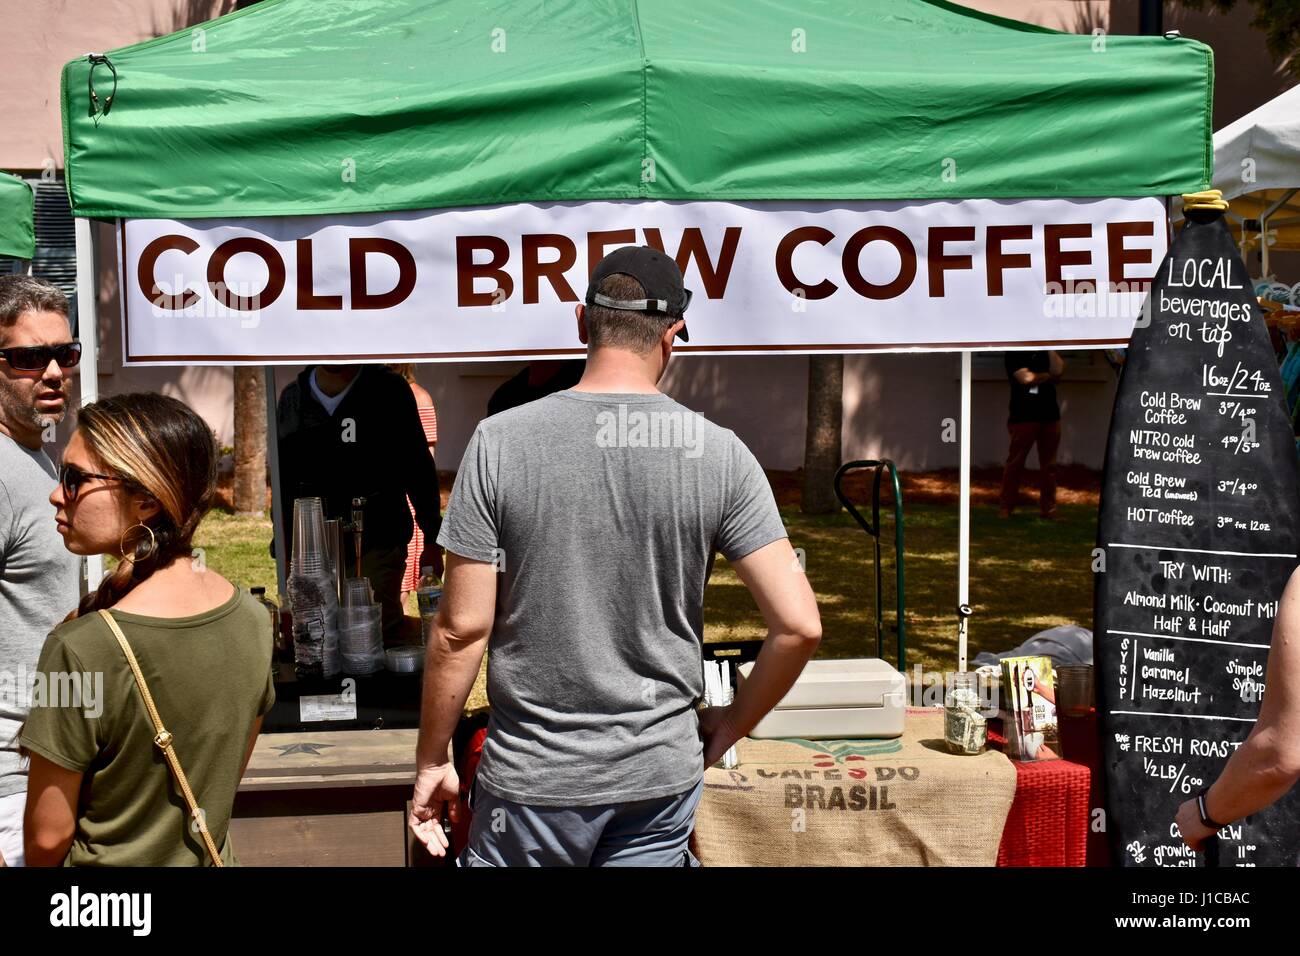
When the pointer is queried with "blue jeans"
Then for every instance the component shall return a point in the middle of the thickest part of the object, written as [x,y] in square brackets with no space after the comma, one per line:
[640,833]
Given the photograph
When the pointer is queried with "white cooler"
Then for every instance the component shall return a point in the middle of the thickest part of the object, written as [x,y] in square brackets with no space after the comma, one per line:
[834,700]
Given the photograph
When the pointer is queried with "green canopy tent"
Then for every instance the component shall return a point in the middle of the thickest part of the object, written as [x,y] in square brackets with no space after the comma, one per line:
[302,108]
[17,235]
[471,103]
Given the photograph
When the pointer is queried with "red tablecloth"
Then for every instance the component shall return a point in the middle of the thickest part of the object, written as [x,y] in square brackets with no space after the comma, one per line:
[1050,819]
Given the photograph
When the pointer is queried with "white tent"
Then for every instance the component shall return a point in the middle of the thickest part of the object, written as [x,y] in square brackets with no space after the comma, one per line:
[1257,166]
[1260,151]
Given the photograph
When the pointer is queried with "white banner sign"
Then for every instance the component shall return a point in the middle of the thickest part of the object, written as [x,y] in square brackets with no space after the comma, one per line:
[500,282]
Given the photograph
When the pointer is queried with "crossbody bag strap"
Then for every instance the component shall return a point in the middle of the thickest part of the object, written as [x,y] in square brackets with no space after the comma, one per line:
[165,741]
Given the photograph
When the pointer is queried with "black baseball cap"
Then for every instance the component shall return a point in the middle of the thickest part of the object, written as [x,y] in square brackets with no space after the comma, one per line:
[658,275]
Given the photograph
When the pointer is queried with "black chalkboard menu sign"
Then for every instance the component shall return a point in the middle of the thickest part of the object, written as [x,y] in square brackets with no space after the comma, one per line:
[1198,532]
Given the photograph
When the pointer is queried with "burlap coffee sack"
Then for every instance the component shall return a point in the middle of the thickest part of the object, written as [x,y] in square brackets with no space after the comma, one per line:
[904,802]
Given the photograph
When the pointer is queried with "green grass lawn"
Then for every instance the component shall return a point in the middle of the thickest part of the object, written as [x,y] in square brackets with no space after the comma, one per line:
[1026,575]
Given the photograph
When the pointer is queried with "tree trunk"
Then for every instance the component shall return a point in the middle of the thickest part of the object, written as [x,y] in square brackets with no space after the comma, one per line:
[822,451]
[250,441]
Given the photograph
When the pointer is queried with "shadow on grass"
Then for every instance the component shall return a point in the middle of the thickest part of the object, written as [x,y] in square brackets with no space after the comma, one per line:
[1027,574]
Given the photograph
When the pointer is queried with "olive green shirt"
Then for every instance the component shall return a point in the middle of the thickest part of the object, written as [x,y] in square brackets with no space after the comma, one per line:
[210,677]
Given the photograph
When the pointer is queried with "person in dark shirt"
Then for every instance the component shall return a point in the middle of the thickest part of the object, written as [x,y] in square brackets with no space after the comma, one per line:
[353,431]
[536,380]
[1034,418]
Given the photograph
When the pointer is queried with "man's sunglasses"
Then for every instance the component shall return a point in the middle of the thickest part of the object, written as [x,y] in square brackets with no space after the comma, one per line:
[34,358]
[72,478]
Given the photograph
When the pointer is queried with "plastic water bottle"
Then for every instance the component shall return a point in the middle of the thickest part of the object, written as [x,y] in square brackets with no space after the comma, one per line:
[428,592]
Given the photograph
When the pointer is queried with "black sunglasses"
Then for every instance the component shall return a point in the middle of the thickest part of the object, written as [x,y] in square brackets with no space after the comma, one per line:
[72,478]
[34,358]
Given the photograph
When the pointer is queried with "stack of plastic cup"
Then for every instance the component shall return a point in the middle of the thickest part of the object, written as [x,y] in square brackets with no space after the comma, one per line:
[360,624]
[313,594]
[310,552]
[334,552]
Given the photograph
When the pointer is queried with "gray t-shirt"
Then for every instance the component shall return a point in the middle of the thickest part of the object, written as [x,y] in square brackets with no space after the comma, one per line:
[603,512]
[40,582]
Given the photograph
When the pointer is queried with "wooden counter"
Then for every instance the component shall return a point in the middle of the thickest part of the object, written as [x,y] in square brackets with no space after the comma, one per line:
[328,798]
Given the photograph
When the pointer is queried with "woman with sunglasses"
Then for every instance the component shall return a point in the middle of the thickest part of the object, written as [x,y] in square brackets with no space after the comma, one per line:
[138,475]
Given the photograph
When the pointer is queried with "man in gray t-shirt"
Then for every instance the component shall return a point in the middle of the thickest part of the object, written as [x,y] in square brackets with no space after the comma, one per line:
[580,533]
[38,575]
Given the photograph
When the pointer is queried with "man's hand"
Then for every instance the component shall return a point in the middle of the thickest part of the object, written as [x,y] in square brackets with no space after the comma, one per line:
[452,661]
[434,785]
[1193,832]
[432,558]
[717,732]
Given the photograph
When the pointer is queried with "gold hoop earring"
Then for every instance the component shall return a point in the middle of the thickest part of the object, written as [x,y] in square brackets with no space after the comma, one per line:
[153,540]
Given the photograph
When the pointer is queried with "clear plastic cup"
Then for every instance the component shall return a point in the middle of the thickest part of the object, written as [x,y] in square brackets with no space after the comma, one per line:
[334,552]
[362,663]
[310,552]
[1074,694]
[357,592]
[404,660]
[362,640]
[365,615]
